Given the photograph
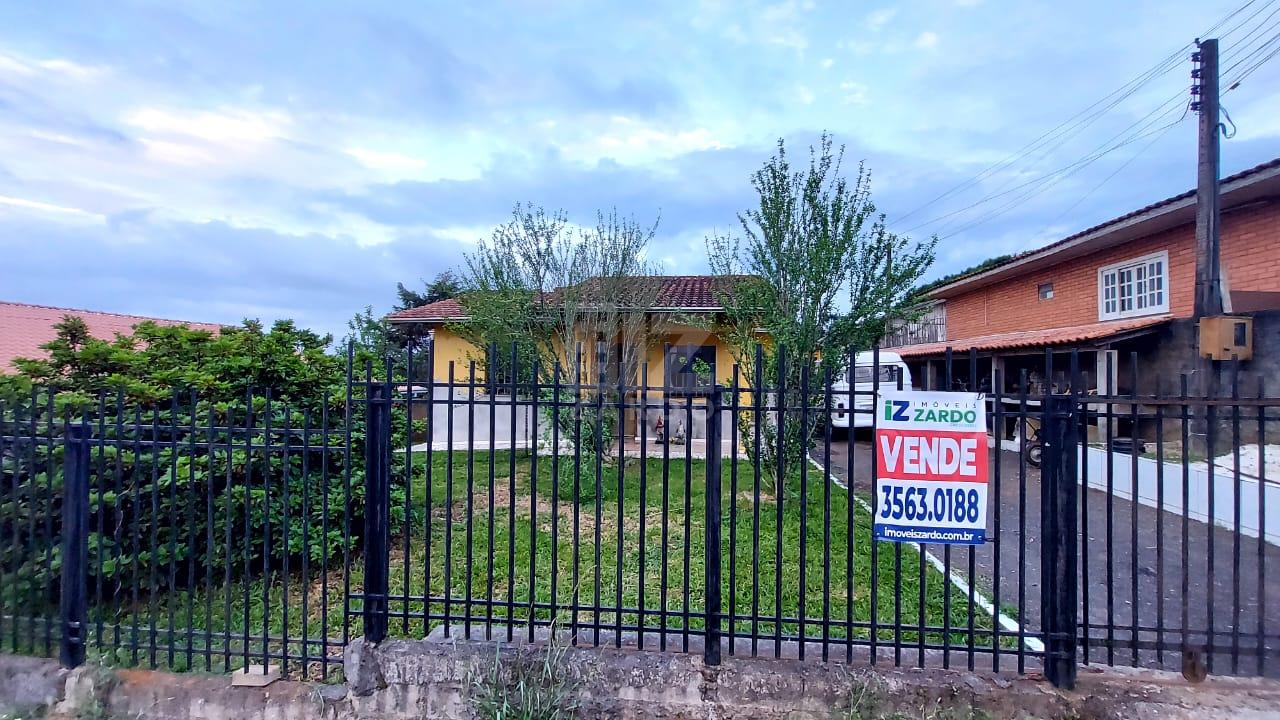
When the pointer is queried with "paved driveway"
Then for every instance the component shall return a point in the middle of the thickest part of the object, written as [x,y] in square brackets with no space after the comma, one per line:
[1218,590]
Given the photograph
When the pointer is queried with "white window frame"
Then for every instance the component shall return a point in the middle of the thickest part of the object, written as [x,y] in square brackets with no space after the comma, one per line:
[1143,299]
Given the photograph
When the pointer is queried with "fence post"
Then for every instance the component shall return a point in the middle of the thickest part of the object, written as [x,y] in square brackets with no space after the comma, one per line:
[1059,585]
[711,563]
[75,545]
[377,533]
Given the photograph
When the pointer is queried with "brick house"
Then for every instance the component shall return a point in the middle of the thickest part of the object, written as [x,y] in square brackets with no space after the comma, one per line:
[1118,292]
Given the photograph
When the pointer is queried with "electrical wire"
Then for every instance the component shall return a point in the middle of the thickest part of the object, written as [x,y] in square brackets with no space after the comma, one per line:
[1234,83]
[1156,137]
[1124,91]
[1050,181]
[1106,147]
[1046,143]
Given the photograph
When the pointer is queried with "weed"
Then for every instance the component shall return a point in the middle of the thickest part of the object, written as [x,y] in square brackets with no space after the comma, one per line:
[525,686]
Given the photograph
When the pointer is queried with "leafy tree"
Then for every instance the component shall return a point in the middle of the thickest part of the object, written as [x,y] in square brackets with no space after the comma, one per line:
[372,334]
[445,286]
[816,272]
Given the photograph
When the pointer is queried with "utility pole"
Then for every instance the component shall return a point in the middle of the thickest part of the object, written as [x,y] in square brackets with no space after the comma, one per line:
[1204,91]
[1208,299]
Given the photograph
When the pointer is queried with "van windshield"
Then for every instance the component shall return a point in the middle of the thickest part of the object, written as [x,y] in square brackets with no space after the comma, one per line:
[866,373]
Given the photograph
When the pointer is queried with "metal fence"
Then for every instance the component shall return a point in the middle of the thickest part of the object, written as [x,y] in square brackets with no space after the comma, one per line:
[730,519]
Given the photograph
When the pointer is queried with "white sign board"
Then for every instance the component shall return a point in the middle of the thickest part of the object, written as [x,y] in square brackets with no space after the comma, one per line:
[931,467]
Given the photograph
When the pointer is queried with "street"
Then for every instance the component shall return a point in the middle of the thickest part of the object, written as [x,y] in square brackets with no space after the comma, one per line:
[1171,592]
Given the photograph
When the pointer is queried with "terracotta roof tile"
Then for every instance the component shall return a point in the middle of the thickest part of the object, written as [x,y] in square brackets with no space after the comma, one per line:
[675,292]
[1035,338]
[24,328]
[442,310]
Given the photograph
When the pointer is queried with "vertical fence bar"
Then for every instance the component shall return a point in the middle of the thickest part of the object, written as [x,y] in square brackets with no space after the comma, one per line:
[1260,652]
[1059,518]
[711,564]
[75,545]
[377,512]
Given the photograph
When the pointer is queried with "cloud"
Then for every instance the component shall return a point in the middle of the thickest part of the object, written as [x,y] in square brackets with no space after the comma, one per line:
[854,93]
[56,68]
[926,40]
[224,126]
[878,19]
[48,208]
[628,140]
[190,160]
[390,163]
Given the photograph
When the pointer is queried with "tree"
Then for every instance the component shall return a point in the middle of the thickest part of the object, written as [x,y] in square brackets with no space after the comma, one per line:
[816,272]
[372,334]
[542,292]
[445,286]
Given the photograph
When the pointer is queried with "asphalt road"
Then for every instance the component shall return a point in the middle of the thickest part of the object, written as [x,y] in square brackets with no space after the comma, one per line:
[1233,591]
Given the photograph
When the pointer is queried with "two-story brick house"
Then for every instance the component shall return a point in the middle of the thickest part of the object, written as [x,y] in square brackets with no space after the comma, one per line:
[1118,291]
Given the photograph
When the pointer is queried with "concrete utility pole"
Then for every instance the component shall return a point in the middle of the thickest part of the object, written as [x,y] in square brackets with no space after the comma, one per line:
[1204,90]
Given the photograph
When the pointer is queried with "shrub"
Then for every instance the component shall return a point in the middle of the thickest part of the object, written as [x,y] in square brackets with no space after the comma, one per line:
[179,488]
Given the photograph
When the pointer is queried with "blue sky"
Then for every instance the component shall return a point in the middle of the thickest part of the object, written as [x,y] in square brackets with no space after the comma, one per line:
[214,161]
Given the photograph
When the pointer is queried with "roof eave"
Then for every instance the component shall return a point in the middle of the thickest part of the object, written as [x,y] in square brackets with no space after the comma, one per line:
[1232,191]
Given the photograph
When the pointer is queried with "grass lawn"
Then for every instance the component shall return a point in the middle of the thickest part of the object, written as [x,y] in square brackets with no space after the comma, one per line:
[609,558]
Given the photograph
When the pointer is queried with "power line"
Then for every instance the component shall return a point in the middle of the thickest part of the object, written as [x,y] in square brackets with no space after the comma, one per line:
[1156,137]
[1052,179]
[1241,50]
[1161,110]
[1227,33]
[1267,45]
[1072,126]
[1124,91]
[1250,70]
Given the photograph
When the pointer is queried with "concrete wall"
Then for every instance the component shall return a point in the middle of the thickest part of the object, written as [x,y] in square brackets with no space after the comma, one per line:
[428,679]
[1250,259]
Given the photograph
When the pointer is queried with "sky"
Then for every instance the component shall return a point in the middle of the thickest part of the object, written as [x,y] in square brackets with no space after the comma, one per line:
[223,160]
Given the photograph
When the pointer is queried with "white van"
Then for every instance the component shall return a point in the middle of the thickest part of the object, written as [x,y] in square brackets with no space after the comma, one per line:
[864,384]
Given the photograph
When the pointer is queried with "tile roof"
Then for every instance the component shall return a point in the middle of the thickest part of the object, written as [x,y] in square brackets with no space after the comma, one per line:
[441,310]
[24,328]
[1244,175]
[1035,338]
[673,292]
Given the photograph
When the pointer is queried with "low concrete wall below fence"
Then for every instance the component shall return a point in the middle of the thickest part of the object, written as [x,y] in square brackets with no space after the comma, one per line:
[1155,477]
[406,680]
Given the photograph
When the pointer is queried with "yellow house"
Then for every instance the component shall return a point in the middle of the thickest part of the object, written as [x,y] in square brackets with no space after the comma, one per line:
[683,349]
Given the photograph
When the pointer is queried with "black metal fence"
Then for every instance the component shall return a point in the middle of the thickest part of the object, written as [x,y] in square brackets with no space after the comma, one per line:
[734,519]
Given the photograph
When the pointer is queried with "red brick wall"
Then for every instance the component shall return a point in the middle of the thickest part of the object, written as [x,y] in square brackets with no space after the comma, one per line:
[1250,258]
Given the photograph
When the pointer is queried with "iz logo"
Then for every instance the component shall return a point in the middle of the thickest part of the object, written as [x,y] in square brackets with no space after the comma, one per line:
[896,410]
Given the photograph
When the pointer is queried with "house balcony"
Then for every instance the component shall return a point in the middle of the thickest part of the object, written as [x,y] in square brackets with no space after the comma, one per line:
[916,332]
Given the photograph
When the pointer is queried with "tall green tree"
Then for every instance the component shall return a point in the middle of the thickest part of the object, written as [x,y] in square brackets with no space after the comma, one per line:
[445,286]
[814,270]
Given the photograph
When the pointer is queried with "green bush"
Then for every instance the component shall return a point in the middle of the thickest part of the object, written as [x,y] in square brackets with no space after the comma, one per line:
[179,488]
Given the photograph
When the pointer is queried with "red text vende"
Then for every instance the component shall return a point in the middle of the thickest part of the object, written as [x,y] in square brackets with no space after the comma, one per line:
[931,455]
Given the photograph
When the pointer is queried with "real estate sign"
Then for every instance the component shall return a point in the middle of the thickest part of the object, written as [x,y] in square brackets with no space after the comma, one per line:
[931,467]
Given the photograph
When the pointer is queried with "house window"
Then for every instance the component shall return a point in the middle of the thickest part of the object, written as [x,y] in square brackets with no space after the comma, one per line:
[1045,290]
[1134,287]
[691,367]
